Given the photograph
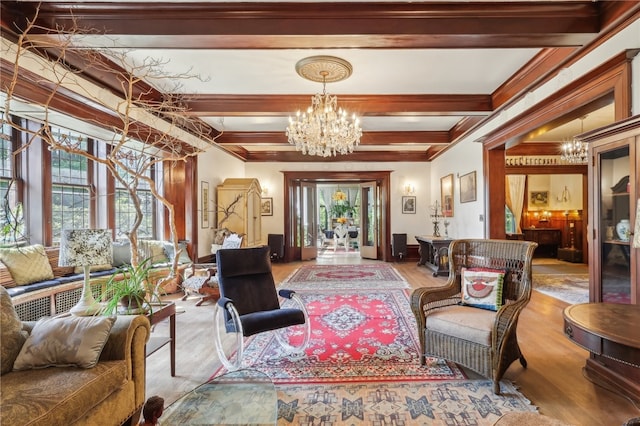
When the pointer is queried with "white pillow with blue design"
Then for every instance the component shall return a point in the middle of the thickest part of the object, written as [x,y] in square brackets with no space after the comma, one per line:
[482,287]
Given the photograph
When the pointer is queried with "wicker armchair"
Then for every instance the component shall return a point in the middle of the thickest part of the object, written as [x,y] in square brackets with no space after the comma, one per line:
[483,340]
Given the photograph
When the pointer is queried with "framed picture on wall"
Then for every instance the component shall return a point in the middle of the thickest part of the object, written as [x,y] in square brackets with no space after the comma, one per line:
[204,204]
[539,199]
[446,194]
[266,206]
[409,204]
[468,187]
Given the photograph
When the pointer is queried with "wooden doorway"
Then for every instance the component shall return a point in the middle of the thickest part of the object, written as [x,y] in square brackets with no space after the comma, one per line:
[293,182]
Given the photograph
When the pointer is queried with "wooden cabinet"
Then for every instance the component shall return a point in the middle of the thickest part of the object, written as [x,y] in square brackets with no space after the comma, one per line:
[548,239]
[238,202]
[614,262]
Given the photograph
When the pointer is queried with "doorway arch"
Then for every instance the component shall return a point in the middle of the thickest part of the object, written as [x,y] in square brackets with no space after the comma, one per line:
[292,182]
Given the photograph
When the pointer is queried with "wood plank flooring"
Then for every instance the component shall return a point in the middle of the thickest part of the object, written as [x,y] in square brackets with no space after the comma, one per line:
[553,380]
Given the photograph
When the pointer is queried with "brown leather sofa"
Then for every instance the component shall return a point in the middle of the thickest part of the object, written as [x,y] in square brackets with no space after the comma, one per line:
[111,393]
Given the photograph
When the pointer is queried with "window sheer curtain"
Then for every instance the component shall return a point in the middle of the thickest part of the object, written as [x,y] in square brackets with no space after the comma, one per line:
[515,197]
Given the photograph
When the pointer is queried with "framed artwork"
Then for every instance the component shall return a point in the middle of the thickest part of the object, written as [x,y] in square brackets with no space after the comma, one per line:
[204,204]
[409,204]
[468,187]
[266,206]
[446,194]
[539,199]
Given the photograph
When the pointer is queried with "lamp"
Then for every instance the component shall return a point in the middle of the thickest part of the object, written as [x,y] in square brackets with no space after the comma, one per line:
[324,130]
[85,247]
[575,151]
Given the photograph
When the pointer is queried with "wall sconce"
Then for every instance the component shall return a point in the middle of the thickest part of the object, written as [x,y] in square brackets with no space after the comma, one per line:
[265,191]
[409,189]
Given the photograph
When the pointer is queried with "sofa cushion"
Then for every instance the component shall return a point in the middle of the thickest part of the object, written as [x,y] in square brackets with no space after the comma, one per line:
[121,253]
[27,264]
[170,252]
[12,337]
[58,396]
[65,340]
[482,287]
[464,322]
[153,249]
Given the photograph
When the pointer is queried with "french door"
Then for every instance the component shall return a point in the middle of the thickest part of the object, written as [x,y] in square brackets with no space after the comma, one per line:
[370,219]
[309,220]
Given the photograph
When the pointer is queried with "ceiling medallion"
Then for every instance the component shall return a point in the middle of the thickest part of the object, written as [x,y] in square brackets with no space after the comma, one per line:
[324,129]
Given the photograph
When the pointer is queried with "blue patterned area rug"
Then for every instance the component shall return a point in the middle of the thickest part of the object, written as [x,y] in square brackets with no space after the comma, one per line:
[464,402]
[570,288]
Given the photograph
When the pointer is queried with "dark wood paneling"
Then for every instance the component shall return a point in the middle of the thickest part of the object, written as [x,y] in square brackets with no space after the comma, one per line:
[494,191]
[356,156]
[368,138]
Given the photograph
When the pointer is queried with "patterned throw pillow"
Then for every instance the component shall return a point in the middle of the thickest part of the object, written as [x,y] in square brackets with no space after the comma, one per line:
[482,287]
[12,336]
[65,341]
[153,249]
[27,264]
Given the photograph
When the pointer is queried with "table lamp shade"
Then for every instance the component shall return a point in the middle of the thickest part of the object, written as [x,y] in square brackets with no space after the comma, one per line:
[85,247]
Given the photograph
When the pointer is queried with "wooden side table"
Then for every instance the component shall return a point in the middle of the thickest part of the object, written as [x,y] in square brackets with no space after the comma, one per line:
[160,312]
[610,333]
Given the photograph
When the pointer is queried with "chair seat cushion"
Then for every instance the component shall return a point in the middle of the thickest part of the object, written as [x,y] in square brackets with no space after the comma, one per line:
[257,322]
[464,322]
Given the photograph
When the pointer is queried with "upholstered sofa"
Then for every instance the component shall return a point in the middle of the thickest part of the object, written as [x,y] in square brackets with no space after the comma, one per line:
[108,391]
[39,287]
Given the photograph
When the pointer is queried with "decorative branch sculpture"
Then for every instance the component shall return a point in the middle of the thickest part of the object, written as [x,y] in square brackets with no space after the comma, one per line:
[148,128]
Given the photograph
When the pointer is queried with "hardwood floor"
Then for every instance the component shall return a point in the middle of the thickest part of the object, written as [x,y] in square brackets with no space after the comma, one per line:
[553,380]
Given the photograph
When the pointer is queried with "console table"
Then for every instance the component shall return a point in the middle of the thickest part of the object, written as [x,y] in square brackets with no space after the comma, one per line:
[434,253]
[609,332]
[547,238]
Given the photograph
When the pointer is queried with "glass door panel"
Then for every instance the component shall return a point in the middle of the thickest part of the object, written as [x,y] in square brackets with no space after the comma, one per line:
[615,229]
[369,219]
[309,222]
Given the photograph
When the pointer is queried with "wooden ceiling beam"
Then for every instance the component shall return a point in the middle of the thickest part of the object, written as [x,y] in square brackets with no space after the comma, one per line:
[362,105]
[368,138]
[356,156]
[253,25]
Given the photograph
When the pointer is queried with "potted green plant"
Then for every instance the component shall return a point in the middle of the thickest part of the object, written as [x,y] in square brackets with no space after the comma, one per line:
[127,290]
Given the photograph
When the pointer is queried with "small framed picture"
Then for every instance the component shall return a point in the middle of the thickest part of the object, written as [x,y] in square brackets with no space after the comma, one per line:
[266,206]
[468,187]
[446,194]
[409,204]
[204,204]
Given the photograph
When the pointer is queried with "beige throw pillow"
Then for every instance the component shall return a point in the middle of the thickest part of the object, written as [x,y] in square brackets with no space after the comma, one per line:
[12,336]
[64,341]
[27,264]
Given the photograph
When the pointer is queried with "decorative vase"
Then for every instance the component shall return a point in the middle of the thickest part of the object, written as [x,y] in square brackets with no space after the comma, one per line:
[623,228]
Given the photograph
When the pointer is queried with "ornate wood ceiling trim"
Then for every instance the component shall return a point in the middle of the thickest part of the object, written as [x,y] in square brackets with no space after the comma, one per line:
[362,105]
[365,25]
[368,138]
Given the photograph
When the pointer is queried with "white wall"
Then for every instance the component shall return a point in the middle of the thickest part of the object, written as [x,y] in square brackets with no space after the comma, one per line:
[214,166]
[460,160]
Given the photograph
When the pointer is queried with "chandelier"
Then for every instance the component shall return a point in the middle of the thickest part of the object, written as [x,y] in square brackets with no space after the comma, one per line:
[324,129]
[575,151]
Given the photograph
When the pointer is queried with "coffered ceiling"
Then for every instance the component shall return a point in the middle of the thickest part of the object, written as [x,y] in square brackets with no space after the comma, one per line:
[424,72]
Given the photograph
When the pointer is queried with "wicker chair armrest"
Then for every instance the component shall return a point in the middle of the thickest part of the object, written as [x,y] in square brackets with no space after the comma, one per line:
[506,319]
[427,298]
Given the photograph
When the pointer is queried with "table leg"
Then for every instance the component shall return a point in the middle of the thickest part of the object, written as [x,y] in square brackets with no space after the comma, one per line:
[172,335]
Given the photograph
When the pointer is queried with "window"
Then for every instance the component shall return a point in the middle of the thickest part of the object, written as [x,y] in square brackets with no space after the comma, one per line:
[510,221]
[11,218]
[70,185]
[125,209]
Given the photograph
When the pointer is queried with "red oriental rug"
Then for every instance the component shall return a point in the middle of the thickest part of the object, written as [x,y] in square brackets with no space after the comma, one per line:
[375,275]
[356,336]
